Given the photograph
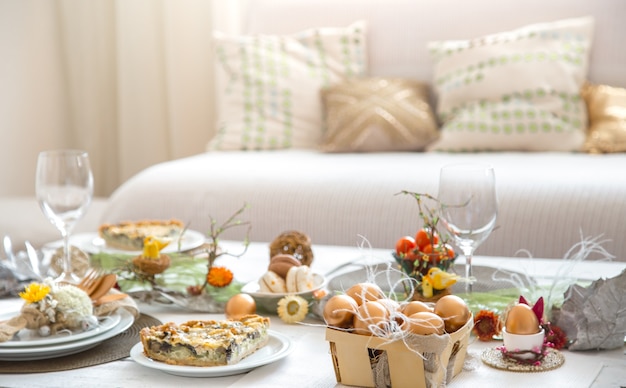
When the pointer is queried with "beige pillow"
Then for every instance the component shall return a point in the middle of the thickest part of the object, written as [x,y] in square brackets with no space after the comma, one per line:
[377,114]
[607,118]
[268,85]
[514,91]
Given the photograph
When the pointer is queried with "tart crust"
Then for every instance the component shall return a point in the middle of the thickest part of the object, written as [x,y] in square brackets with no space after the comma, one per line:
[129,235]
[205,343]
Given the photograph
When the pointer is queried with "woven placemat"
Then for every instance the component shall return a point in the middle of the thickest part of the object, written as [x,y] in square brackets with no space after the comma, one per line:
[113,349]
[494,358]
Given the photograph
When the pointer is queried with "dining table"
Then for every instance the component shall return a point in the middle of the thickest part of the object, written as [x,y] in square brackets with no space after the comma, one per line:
[308,361]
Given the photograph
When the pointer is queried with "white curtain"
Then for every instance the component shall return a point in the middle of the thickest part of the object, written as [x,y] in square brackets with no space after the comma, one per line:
[130,81]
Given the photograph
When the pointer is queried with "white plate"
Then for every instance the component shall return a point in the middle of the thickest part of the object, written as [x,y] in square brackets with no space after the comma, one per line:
[279,346]
[92,243]
[268,301]
[30,338]
[59,350]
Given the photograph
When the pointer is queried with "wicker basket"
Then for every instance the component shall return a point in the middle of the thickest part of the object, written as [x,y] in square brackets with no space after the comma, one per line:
[293,243]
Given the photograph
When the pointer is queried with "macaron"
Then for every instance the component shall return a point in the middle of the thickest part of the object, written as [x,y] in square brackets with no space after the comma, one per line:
[281,263]
[271,282]
[300,279]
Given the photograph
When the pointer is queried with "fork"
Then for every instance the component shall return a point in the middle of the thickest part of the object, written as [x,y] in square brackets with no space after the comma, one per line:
[91,280]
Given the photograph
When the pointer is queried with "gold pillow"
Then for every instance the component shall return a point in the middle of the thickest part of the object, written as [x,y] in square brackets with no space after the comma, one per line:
[607,118]
[377,115]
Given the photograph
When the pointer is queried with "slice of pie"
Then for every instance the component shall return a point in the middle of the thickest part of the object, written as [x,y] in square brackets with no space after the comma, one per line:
[129,235]
[205,343]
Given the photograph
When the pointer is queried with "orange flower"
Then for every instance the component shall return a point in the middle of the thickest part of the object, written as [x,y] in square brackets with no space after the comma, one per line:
[219,276]
[486,325]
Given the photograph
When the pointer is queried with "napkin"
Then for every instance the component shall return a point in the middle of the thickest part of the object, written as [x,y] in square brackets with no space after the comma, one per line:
[109,308]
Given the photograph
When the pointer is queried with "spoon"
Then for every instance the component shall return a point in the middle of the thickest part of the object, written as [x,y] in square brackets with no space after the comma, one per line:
[108,298]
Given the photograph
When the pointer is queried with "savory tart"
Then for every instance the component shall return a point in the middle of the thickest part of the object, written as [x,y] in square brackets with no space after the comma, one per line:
[205,343]
[129,235]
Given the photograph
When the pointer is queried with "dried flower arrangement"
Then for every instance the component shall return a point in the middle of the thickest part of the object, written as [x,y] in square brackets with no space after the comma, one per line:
[192,280]
[426,257]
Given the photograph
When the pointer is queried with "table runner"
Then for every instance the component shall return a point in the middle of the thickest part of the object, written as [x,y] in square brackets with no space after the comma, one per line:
[110,350]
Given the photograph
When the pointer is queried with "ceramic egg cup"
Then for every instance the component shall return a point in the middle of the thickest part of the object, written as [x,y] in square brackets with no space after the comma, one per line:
[523,343]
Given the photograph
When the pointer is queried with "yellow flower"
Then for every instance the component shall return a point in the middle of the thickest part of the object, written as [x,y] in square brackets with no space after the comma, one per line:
[292,308]
[219,276]
[35,292]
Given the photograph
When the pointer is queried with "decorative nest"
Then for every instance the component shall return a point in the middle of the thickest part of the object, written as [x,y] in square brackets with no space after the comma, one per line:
[152,266]
[293,243]
[438,295]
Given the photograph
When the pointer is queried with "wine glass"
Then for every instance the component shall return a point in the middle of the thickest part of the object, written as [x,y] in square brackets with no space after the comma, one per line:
[64,186]
[468,204]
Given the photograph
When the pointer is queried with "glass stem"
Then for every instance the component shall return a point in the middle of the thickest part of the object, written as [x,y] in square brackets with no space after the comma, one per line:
[469,276]
[67,255]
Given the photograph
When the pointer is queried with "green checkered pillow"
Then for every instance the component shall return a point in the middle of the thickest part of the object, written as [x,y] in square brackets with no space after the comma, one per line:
[514,91]
[268,85]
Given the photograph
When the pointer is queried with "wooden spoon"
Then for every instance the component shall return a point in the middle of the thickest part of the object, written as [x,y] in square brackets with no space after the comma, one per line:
[107,282]
[108,298]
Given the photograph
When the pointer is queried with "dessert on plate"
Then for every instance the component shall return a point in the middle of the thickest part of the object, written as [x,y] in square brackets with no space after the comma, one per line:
[205,343]
[130,235]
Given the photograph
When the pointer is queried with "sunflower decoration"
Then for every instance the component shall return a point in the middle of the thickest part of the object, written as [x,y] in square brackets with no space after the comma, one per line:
[292,308]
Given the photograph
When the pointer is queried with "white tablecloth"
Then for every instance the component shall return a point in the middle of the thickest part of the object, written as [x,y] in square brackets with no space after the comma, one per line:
[310,364]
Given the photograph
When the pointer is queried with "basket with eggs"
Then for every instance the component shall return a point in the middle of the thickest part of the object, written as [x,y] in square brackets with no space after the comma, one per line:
[375,340]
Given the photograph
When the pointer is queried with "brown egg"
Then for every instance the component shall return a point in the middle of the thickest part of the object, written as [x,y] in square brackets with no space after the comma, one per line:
[522,320]
[365,291]
[369,313]
[415,306]
[454,312]
[339,311]
[424,323]
[239,305]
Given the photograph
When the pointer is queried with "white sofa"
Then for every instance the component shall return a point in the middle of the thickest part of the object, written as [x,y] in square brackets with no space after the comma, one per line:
[548,201]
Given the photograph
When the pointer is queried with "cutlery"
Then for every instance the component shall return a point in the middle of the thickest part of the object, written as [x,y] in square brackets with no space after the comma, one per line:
[104,286]
[108,298]
[8,250]
[33,257]
[91,281]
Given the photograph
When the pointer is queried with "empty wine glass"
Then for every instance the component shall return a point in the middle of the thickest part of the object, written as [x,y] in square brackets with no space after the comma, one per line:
[468,204]
[64,187]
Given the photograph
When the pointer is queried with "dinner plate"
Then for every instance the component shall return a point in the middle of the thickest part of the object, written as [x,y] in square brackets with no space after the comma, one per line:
[30,338]
[268,301]
[278,347]
[64,349]
[92,243]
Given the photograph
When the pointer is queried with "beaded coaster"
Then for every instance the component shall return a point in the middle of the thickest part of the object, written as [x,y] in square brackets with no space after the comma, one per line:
[494,358]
